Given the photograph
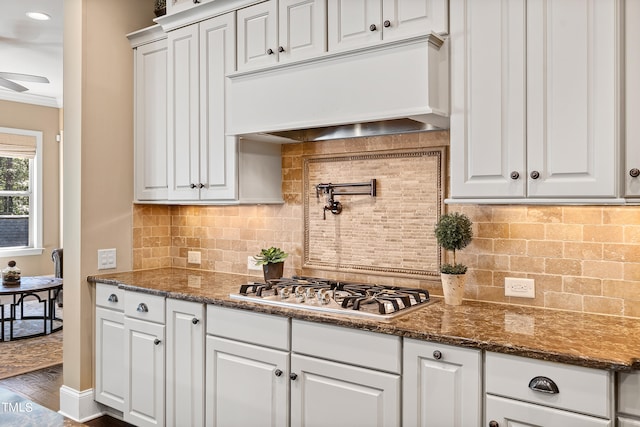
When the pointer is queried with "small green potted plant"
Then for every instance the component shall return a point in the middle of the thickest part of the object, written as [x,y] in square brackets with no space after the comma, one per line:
[453,232]
[272,262]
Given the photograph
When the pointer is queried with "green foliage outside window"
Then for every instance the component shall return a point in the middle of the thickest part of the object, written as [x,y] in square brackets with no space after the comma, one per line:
[14,186]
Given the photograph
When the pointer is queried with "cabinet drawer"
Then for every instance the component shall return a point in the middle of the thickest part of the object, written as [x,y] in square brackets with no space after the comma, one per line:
[109,296]
[579,389]
[243,325]
[346,345]
[144,306]
[629,393]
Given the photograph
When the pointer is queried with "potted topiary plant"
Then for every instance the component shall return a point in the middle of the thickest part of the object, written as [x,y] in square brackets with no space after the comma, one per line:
[453,232]
[272,262]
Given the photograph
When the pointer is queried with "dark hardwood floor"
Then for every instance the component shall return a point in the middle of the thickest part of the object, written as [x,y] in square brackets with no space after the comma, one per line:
[43,387]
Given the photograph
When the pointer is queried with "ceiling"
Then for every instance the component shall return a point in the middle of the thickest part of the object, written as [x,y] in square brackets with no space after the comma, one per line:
[32,47]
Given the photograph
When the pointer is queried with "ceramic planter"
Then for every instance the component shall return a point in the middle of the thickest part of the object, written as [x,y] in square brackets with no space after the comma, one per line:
[453,288]
[272,271]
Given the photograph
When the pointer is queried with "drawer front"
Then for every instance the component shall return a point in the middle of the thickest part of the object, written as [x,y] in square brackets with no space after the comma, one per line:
[580,389]
[346,345]
[109,296]
[143,306]
[243,325]
[629,393]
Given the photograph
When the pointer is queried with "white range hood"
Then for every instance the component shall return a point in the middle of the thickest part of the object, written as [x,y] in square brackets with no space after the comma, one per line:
[395,88]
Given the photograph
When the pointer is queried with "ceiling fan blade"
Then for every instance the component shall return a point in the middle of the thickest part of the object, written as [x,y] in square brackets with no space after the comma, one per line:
[11,85]
[24,77]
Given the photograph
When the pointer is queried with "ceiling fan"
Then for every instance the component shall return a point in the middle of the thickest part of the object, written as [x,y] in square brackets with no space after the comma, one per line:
[6,80]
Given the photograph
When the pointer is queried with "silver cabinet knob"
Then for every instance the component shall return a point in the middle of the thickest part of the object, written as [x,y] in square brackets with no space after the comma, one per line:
[195,320]
[269,51]
[112,298]
[142,308]
[515,175]
[386,23]
[280,49]
[293,376]
[534,175]
[156,341]
[192,185]
[634,173]
[437,355]
[277,373]
[372,27]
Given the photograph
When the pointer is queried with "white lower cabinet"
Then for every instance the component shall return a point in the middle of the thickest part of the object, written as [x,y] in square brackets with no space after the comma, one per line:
[442,385]
[247,368]
[327,393]
[256,375]
[185,363]
[628,402]
[344,377]
[109,387]
[144,366]
[526,392]
[247,385]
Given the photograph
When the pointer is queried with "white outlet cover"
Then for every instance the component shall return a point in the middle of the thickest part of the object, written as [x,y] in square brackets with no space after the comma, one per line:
[251,264]
[519,287]
[193,257]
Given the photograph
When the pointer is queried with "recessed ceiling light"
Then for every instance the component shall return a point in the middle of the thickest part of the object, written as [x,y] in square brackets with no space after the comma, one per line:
[38,16]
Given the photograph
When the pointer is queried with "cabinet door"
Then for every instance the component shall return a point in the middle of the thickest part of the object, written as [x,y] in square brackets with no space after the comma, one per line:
[349,23]
[326,393]
[257,38]
[402,19]
[218,168]
[184,115]
[145,376]
[110,369]
[632,99]
[628,422]
[246,385]
[442,385]
[151,121]
[572,106]
[488,125]
[185,363]
[514,413]
[301,29]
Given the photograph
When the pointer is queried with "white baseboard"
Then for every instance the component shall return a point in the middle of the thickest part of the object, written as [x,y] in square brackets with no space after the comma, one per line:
[79,405]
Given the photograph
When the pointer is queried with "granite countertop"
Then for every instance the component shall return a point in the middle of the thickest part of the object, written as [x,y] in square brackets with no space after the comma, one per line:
[595,341]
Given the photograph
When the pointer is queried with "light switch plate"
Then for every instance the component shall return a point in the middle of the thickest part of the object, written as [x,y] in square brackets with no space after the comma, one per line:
[106,259]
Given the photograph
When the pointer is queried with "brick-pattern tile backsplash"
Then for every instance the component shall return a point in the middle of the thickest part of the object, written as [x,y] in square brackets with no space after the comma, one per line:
[581,258]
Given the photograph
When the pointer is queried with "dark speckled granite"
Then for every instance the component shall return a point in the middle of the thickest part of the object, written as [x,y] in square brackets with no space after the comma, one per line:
[603,342]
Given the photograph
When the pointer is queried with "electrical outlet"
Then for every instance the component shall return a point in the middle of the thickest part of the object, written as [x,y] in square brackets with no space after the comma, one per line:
[193,257]
[251,264]
[519,287]
[106,259]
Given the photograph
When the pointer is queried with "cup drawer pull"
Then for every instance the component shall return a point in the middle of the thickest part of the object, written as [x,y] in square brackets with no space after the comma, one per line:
[543,385]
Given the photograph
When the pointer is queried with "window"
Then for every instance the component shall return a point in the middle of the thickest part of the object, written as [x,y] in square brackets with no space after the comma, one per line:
[20,192]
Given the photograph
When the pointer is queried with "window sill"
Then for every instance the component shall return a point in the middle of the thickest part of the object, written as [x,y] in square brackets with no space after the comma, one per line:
[16,252]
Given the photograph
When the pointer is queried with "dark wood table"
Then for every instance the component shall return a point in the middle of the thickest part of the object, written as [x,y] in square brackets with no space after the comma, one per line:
[44,290]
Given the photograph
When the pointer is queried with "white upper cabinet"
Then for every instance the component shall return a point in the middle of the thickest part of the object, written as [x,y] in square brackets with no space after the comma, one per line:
[534,99]
[353,24]
[280,31]
[150,129]
[202,162]
[632,99]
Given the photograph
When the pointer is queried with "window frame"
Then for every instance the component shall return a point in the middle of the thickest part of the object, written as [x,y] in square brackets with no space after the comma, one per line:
[35,201]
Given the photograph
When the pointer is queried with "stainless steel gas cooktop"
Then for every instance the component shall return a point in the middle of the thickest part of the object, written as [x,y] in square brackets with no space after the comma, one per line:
[360,299]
